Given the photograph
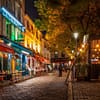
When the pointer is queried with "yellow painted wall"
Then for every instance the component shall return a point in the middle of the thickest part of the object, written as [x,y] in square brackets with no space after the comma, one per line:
[31,41]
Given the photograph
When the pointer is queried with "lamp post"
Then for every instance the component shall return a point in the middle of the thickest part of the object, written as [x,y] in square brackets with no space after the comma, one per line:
[74,69]
[76,37]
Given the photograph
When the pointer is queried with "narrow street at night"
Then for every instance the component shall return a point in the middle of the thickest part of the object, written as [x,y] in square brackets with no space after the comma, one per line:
[49,87]
[49,49]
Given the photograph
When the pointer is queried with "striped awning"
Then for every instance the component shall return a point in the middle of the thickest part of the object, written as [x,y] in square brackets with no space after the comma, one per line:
[6,48]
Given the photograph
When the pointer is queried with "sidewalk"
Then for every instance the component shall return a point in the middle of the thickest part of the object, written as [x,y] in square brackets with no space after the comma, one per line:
[83,90]
[5,83]
[8,82]
[21,79]
[86,90]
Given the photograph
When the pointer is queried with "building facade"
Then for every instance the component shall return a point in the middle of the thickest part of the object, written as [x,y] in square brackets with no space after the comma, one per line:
[13,63]
[34,41]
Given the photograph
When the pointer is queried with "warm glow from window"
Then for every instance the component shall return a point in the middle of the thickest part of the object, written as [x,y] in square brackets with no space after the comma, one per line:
[83,45]
[95,49]
[25,42]
[30,46]
[34,46]
[93,55]
[39,49]
[80,50]
[97,45]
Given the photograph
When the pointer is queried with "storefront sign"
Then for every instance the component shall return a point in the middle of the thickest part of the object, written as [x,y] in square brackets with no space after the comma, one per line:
[17,47]
[12,19]
[85,39]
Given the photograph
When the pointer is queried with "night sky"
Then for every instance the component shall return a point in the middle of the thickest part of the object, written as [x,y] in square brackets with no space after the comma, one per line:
[30,9]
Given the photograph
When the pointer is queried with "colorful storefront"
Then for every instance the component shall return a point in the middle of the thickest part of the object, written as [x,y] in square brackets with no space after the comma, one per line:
[94,56]
[6,57]
[41,65]
[20,62]
[90,56]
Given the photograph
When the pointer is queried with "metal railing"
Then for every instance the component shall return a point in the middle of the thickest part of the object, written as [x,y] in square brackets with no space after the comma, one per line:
[69,84]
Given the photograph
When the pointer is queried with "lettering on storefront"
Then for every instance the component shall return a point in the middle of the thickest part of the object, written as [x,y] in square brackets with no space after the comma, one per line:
[12,19]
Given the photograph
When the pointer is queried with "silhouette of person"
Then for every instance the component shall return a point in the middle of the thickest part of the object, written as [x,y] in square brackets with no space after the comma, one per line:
[60,70]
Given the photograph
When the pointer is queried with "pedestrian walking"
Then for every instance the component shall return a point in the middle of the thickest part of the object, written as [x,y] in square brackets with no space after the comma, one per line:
[60,70]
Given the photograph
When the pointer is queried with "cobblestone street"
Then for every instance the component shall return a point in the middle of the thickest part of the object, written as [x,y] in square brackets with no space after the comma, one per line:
[50,87]
[86,90]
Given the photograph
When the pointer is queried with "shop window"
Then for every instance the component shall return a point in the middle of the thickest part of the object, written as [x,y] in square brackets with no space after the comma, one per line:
[5,62]
[19,36]
[19,13]
[45,45]
[1,61]
[40,38]
[56,54]
[8,28]
[18,64]
[95,52]
[8,4]
[24,62]
[13,33]
[31,45]
[37,34]
[62,54]
[28,43]
[28,26]
[31,28]
[12,5]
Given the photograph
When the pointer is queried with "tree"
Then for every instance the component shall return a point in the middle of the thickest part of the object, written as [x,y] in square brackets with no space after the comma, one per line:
[61,18]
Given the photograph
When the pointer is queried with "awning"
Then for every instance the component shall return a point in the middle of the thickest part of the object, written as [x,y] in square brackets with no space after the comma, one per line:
[46,61]
[59,60]
[17,47]
[38,57]
[42,59]
[6,48]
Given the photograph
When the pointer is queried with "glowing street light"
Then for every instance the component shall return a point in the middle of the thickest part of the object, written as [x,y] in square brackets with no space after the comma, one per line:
[76,37]
[74,71]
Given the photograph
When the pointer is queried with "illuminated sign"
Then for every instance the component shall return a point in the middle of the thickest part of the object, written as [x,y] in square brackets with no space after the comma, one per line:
[25,52]
[12,19]
[17,47]
[85,39]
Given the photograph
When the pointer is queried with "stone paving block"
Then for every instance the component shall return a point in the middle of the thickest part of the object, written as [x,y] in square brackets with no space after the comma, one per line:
[49,87]
[86,90]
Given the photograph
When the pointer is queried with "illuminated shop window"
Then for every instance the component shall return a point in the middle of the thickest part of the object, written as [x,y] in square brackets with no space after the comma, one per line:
[1,59]
[8,28]
[19,35]
[95,51]
[5,62]
[13,33]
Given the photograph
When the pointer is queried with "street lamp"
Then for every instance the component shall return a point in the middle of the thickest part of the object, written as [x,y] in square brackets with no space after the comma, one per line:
[74,69]
[76,37]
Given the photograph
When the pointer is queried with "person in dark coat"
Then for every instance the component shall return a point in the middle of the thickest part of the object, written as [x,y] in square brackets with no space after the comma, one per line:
[60,70]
